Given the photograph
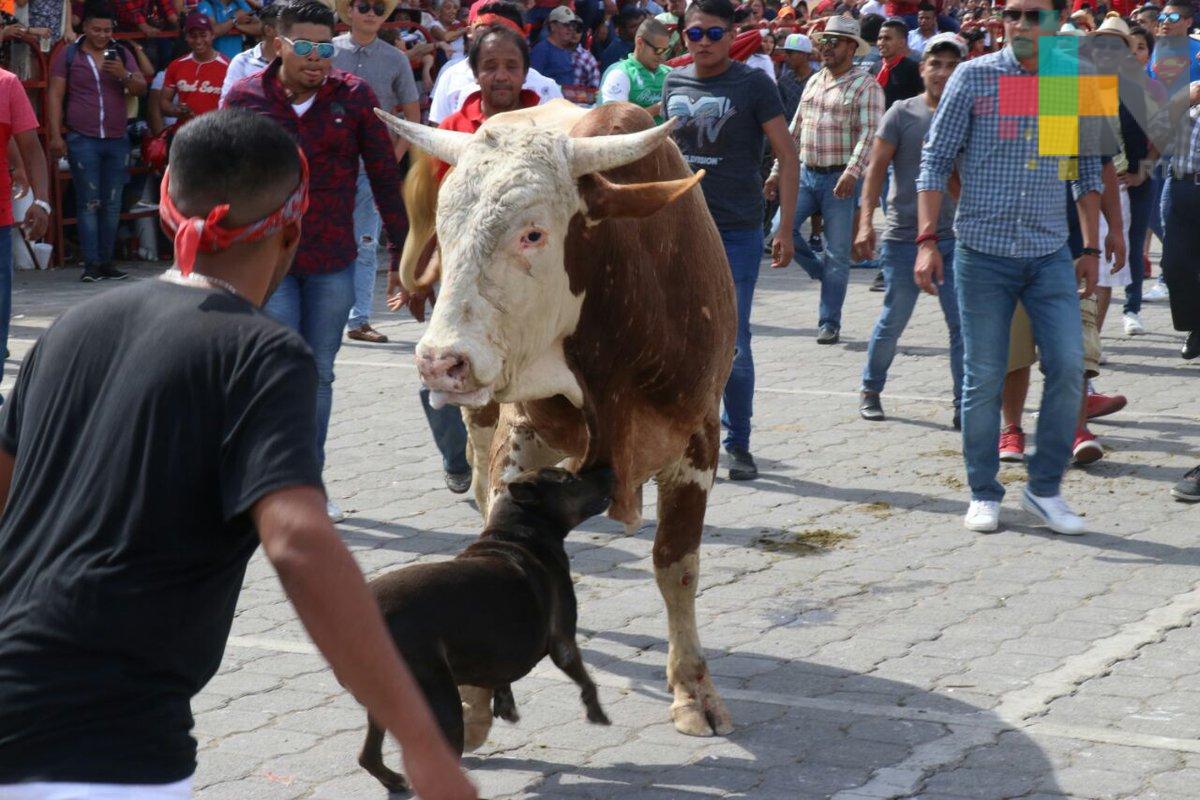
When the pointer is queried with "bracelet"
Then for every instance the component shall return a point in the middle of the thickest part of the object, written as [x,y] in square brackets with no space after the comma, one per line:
[927,237]
[44,206]
[1089,251]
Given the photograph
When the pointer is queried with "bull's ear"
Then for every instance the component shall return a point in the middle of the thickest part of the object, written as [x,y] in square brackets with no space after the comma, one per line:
[446,145]
[605,199]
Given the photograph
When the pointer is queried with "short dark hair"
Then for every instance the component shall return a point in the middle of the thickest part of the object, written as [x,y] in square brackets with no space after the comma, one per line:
[721,9]
[899,25]
[1185,7]
[310,12]
[97,10]
[503,32]
[869,27]
[940,48]
[510,11]
[268,15]
[925,5]
[232,156]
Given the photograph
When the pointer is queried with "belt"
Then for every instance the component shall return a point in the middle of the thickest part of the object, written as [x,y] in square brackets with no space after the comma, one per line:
[825,170]
[1188,177]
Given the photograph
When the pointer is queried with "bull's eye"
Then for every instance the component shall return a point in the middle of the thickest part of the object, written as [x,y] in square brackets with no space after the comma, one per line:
[533,238]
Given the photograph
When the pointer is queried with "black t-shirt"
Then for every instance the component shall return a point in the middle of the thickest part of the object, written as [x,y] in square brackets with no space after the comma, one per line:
[145,423]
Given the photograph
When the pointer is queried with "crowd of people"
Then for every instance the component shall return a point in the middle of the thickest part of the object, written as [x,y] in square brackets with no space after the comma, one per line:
[122,560]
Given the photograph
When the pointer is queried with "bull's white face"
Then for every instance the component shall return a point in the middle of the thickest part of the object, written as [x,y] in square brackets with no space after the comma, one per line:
[505,304]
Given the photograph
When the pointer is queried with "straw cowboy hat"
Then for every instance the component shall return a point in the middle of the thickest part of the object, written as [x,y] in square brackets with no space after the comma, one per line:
[1113,25]
[342,7]
[847,28]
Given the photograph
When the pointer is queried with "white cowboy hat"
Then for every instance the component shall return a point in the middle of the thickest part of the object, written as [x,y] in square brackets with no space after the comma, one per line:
[847,28]
[1113,26]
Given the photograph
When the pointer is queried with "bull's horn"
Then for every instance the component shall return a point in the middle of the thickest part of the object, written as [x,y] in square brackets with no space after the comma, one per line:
[599,153]
[445,145]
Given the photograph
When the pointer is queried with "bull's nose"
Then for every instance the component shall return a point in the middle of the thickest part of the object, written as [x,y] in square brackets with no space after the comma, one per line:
[448,371]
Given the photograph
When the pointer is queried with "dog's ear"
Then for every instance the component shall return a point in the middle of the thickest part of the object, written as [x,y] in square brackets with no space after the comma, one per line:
[524,493]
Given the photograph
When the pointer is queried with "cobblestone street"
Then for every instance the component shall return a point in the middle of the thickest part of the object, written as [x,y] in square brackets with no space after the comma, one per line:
[868,645]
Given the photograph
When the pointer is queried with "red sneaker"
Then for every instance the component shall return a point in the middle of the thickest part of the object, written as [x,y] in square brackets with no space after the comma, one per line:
[1101,405]
[1012,444]
[1086,450]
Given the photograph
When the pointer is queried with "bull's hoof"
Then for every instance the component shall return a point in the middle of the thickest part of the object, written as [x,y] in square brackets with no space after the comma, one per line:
[702,713]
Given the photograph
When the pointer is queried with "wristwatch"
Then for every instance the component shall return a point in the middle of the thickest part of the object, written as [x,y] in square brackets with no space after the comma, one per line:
[43,205]
[1090,251]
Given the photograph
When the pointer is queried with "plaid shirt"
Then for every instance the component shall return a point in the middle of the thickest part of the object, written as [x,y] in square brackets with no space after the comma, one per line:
[338,130]
[1012,197]
[1187,148]
[836,119]
[587,78]
[132,13]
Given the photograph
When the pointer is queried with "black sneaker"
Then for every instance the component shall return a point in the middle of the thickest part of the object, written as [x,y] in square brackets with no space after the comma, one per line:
[742,466]
[1188,489]
[828,334]
[458,482]
[878,285]
[869,407]
[110,273]
[91,273]
[815,244]
[1191,348]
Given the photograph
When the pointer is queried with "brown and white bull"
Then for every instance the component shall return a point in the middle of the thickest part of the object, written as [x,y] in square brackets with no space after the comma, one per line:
[585,289]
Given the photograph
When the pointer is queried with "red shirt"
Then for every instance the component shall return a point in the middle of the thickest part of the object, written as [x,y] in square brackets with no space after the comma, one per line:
[337,130]
[16,116]
[198,83]
[468,118]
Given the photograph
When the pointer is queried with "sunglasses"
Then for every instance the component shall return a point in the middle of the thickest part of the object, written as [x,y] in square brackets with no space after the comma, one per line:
[1032,17]
[303,47]
[379,8]
[1173,17]
[714,34]
[658,51]
[828,41]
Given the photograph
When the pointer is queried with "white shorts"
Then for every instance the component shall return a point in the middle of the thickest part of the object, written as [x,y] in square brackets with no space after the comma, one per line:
[182,790]
[1123,276]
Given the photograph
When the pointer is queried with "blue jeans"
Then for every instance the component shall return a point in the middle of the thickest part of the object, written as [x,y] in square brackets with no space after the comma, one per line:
[99,172]
[743,248]
[988,290]
[317,306]
[366,233]
[833,267]
[449,434]
[899,259]
[1141,204]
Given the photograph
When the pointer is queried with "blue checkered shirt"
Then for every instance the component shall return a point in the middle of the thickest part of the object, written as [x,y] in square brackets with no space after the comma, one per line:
[1187,150]
[1012,198]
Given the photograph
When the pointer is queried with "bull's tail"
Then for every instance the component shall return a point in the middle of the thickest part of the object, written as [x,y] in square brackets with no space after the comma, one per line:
[420,200]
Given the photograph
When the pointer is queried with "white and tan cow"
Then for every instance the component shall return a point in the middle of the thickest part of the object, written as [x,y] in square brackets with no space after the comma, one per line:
[585,289]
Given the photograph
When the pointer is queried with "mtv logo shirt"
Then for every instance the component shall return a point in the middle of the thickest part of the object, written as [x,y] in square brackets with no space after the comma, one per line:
[720,130]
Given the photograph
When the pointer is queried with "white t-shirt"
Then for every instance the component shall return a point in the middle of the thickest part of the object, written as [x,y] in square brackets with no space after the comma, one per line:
[917,40]
[873,7]
[455,83]
[615,86]
[302,108]
[762,61]
[457,48]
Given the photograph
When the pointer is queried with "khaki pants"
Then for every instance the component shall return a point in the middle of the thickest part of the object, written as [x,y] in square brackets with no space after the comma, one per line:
[1022,350]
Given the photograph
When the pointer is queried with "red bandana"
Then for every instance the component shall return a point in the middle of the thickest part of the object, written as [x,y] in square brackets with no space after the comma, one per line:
[195,235]
[496,19]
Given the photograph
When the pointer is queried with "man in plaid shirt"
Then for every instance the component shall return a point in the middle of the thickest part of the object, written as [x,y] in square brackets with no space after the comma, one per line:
[837,117]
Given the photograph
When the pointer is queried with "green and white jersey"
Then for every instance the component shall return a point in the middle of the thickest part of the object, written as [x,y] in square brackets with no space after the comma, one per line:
[629,80]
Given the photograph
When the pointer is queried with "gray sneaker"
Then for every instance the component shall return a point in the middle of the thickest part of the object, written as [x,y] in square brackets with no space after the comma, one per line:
[458,482]
[742,466]
[828,335]
[869,407]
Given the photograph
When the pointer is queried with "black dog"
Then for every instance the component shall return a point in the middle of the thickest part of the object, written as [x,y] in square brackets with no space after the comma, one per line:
[489,616]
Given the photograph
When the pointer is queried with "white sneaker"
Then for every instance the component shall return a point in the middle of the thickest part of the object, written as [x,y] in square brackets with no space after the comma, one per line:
[1054,512]
[1133,324]
[334,511]
[983,516]
[1156,292]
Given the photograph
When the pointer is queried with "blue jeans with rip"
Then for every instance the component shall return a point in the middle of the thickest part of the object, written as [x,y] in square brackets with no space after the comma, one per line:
[99,172]
[832,269]
[743,248]
[449,434]
[898,260]
[988,290]
[317,306]
[366,234]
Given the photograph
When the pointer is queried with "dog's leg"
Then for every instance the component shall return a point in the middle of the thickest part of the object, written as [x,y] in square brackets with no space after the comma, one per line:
[477,716]
[437,682]
[683,491]
[371,759]
[565,655]
[504,705]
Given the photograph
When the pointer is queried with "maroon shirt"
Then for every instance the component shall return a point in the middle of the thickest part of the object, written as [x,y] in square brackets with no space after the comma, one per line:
[334,133]
[95,100]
